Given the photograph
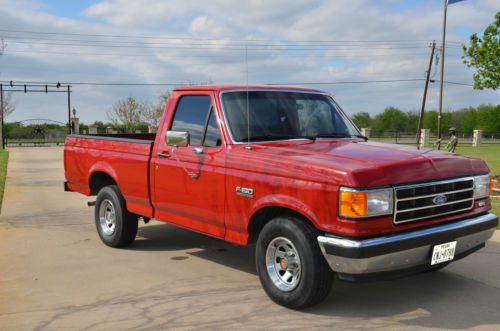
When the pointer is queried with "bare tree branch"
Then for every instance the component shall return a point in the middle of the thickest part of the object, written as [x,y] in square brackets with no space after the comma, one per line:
[8,105]
[152,114]
[127,113]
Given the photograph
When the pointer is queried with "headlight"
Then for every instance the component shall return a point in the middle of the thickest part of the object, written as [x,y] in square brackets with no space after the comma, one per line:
[481,186]
[355,203]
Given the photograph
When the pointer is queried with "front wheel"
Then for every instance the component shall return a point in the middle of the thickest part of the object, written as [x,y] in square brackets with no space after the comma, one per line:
[291,267]
[117,227]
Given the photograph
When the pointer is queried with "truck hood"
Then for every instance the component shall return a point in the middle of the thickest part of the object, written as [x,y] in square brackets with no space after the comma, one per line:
[367,164]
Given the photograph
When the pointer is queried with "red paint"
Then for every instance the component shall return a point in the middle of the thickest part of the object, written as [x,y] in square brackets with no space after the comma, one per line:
[300,175]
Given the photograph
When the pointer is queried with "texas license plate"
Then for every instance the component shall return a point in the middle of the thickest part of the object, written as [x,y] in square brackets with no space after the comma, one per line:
[444,252]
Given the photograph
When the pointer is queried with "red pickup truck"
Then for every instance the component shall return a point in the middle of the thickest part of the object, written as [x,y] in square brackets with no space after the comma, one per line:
[285,169]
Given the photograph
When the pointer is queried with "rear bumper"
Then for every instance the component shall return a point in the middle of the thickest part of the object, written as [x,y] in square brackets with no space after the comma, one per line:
[407,252]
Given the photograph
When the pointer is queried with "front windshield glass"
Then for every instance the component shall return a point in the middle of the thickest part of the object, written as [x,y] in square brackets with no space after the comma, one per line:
[284,115]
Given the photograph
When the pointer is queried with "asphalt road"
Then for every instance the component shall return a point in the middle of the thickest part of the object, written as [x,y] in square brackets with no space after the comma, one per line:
[56,274]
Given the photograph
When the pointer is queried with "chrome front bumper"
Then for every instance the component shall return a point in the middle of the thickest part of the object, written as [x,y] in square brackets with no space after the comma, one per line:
[405,251]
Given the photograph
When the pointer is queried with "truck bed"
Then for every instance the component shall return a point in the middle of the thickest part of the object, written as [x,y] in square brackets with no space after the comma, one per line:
[124,157]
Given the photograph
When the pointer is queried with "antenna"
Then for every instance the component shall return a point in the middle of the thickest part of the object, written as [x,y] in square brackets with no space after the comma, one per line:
[248,147]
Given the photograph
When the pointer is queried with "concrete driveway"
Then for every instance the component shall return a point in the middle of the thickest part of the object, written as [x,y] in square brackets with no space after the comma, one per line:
[56,274]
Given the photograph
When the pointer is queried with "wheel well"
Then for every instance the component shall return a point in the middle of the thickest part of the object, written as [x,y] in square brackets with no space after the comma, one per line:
[264,215]
[98,180]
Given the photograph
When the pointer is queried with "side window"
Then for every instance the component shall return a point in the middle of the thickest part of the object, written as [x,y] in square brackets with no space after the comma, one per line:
[191,115]
[212,136]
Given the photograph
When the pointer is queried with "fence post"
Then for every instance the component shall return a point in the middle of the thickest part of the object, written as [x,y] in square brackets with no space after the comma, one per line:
[424,138]
[476,138]
[366,132]
[75,124]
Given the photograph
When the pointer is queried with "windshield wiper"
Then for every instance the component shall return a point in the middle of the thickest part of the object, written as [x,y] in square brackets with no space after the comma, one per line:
[269,137]
[340,135]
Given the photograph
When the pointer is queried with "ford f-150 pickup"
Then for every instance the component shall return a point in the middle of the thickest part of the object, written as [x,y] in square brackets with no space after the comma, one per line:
[286,170]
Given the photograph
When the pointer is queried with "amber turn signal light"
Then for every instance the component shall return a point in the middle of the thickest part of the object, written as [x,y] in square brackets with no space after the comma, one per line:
[353,204]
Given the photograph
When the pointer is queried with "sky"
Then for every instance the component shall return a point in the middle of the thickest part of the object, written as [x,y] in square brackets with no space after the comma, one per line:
[279,41]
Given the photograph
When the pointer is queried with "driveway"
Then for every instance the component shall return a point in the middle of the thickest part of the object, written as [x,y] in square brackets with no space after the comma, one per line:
[56,274]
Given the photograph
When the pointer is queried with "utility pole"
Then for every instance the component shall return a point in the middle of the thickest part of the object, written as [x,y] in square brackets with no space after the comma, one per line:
[443,46]
[428,75]
[69,109]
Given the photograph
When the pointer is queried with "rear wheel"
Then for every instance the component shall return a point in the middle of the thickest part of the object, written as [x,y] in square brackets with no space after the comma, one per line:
[117,227]
[291,267]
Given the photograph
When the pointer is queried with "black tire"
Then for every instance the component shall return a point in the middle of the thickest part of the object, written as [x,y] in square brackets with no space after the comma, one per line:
[124,228]
[316,277]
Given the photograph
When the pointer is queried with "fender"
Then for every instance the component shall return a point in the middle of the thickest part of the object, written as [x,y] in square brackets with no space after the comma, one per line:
[284,201]
[104,167]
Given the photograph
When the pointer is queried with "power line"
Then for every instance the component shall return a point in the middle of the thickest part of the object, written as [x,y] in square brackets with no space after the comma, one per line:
[41,83]
[333,56]
[207,39]
[214,42]
[224,47]
[351,82]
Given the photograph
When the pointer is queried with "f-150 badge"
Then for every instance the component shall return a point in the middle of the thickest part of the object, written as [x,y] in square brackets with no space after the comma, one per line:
[244,192]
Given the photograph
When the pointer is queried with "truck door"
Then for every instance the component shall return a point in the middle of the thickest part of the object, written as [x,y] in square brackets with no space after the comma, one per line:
[189,181]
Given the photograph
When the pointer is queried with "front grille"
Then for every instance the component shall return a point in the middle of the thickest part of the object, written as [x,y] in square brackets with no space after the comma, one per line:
[421,201]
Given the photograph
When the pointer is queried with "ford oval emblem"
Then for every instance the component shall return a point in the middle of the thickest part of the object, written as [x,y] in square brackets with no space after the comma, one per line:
[440,199]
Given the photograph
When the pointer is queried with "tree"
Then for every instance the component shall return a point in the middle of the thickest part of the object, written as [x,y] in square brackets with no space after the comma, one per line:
[362,120]
[464,119]
[431,121]
[127,114]
[151,115]
[392,119]
[488,118]
[484,55]
[101,126]
[8,105]
[412,123]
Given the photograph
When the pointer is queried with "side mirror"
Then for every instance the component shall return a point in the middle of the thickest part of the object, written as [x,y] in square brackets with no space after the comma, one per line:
[177,138]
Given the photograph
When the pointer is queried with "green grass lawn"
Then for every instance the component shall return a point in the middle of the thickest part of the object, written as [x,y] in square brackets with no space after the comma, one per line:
[4,158]
[491,155]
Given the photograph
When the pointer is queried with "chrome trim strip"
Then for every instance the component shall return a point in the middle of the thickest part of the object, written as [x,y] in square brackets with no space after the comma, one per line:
[436,194]
[433,206]
[447,181]
[350,243]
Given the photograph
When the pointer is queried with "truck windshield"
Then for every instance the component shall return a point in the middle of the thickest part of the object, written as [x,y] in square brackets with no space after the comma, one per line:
[284,115]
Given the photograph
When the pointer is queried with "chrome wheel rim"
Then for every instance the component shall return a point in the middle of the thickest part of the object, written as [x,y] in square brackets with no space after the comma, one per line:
[107,217]
[283,264]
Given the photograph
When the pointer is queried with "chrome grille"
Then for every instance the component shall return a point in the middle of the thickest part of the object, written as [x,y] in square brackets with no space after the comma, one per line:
[418,201]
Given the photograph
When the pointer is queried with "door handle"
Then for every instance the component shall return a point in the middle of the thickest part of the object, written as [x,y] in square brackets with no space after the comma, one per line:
[198,150]
[163,155]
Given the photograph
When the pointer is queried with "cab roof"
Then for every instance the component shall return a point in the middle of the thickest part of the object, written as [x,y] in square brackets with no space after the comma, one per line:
[220,88]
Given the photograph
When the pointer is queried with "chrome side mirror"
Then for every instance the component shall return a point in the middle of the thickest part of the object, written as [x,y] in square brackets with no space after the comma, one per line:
[177,138]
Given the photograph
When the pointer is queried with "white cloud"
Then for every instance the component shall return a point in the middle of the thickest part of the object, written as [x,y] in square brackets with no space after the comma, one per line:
[307,20]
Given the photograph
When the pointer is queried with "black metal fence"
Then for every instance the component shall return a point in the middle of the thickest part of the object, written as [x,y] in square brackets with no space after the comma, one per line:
[410,138]
[31,133]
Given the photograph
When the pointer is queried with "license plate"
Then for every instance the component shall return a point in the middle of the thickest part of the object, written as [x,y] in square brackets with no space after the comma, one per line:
[444,252]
